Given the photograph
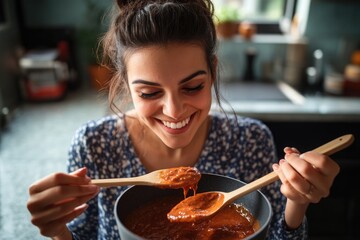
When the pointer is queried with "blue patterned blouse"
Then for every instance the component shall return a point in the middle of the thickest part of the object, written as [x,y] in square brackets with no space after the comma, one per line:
[239,147]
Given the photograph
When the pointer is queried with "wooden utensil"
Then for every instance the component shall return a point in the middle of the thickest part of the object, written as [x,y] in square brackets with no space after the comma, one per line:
[167,178]
[205,204]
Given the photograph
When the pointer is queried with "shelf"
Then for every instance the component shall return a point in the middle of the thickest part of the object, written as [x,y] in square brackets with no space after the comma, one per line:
[267,39]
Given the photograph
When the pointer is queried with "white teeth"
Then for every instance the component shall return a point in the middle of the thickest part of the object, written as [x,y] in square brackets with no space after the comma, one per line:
[177,125]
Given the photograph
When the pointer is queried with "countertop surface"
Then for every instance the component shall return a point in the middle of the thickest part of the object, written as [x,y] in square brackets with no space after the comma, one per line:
[280,102]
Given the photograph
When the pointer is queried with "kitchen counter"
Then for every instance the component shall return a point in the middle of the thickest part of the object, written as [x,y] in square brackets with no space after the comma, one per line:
[280,102]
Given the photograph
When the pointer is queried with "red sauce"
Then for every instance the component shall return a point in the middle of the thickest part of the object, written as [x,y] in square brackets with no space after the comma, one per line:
[150,221]
[181,177]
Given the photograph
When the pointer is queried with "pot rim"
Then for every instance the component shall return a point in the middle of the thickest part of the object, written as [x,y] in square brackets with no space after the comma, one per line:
[254,235]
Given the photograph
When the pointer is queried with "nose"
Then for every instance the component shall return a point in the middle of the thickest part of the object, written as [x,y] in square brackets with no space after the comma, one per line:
[173,107]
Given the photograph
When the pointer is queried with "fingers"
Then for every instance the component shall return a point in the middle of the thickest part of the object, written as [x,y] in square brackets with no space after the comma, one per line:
[56,227]
[304,174]
[81,172]
[58,198]
[286,188]
[58,195]
[323,163]
[319,170]
[56,179]
[59,211]
[289,150]
[309,175]
[291,174]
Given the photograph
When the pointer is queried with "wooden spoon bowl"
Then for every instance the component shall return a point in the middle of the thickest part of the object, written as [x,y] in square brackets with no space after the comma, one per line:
[206,204]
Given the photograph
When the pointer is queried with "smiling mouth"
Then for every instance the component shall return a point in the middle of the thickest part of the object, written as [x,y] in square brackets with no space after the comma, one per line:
[177,125]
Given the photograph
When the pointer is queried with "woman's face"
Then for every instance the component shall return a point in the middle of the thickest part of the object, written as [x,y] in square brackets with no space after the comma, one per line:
[171,90]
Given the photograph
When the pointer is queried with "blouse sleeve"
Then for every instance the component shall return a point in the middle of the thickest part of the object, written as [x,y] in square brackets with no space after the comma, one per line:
[86,225]
[278,229]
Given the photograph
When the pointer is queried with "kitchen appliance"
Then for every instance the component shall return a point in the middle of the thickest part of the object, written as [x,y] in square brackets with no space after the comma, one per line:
[44,75]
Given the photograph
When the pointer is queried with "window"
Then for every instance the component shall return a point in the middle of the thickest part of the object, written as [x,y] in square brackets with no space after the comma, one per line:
[266,14]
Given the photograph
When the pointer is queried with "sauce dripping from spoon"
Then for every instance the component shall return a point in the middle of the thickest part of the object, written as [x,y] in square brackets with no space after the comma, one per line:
[180,177]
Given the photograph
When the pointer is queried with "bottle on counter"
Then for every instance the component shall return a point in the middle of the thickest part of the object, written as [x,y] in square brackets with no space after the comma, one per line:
[334,83]
[249,72]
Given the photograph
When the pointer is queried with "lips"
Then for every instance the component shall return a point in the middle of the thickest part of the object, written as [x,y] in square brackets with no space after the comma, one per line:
[177,125]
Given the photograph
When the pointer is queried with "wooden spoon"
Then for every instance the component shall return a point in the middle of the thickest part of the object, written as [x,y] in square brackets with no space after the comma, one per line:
[205,204]
[179,177]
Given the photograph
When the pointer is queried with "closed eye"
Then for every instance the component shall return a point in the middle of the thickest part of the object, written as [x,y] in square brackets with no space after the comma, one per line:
[194,89]
[149,95]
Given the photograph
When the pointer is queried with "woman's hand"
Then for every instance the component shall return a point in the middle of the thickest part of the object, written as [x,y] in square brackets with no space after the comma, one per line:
[57,199]
[306,178]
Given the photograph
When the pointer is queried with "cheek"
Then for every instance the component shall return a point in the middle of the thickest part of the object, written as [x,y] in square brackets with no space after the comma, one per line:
[145,108]
[202,101]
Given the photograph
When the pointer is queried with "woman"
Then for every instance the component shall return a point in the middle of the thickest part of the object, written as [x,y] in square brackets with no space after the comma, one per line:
[163,56]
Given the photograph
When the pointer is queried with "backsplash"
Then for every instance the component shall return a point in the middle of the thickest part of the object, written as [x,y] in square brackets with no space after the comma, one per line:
[331,27]
[233,60]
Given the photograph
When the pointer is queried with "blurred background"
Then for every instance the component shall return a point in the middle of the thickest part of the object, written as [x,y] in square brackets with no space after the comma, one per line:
[294,64]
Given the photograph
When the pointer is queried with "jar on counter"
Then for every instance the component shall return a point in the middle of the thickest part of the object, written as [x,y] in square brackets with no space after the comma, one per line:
[352,80]
[334,83]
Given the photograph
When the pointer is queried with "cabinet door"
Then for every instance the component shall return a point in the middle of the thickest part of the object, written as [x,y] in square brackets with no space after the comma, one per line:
[337,216]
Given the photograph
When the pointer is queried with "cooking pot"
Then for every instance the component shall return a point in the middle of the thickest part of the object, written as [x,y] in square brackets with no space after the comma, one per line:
[135,196]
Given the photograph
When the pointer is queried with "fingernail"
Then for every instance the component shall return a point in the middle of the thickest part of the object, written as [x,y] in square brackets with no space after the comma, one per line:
[287,150]
[275,166]
[80,169]
[282,161]
[83,206]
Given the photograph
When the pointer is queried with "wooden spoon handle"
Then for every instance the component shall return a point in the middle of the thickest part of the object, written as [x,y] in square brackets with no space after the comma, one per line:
[149,179]
[112,182]
[328,149]
[335,145]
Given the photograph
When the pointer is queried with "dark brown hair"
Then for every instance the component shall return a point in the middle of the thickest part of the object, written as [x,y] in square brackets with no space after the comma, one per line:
[141,23]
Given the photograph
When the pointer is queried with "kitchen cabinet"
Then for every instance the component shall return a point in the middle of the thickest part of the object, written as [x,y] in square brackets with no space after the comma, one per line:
[337,216]
[305,122]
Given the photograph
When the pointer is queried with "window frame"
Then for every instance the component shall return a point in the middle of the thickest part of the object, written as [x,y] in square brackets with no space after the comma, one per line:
[278,27]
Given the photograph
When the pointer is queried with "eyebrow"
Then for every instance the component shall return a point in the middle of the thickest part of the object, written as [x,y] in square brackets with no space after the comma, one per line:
[188,78]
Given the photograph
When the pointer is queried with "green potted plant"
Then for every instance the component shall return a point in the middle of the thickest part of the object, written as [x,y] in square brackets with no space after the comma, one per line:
[227,21]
